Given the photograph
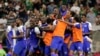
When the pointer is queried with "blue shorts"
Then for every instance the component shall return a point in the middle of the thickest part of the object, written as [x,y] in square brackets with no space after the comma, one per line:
[57,43]
[20,48]
[76,46]
[64,51]
[8,45]
[86,45]
[32,48]
[33,44]
[47,50]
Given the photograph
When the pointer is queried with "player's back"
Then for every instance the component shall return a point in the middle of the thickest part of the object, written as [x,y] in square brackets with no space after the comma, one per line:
[60,29]
[77,33]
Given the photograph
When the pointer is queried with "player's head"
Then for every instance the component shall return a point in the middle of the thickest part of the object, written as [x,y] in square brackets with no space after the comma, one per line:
[49,21]
[68,15]
[56,11]
[76,19]
[19,21]
[83,17]
[32,21]
[72,13]
[13,24]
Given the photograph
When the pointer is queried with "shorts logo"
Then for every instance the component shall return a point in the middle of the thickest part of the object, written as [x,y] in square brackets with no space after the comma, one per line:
[30,33]
[65,52]
[87,48]
[79,47]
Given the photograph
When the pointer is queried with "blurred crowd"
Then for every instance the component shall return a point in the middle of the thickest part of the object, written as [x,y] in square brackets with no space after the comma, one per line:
[11,9]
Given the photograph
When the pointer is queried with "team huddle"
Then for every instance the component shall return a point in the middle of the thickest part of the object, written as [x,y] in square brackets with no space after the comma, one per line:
[56,36]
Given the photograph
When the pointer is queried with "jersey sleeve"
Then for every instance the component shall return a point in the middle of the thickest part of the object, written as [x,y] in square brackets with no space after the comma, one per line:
[8,29]
[37,30]
[90,26]
[55,22]
[21,29]
[77,25]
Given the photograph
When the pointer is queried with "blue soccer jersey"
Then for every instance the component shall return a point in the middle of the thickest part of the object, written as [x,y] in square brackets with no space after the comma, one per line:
[20,46]
[86,28]
[9,41]
[33,39]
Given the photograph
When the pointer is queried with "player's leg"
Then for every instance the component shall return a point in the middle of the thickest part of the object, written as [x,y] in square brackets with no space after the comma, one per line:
[56,45]
[9,48]
[42,47]
[86,48]
[72,49]
[79,46]
[53,47]
[10,52]
[61,52]
[47,50]
[23,52]
[60,46]
[65,49]
[31,50]
[19,47]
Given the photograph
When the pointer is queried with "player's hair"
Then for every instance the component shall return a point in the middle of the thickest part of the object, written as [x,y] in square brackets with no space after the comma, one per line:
[49,21]
[77,19]
[73,13]
[83,15]
[21,19]
[68,31]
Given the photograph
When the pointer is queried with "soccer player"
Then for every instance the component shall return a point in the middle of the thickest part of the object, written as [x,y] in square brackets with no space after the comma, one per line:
[19,49]
[33,39]
[47,37]
[54,15]
[58,35]
[66,44]
[87,29]
[10,42]
[77,38]
[9,35]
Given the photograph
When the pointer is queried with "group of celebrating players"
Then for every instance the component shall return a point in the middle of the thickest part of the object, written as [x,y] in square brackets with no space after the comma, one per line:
[56,36]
